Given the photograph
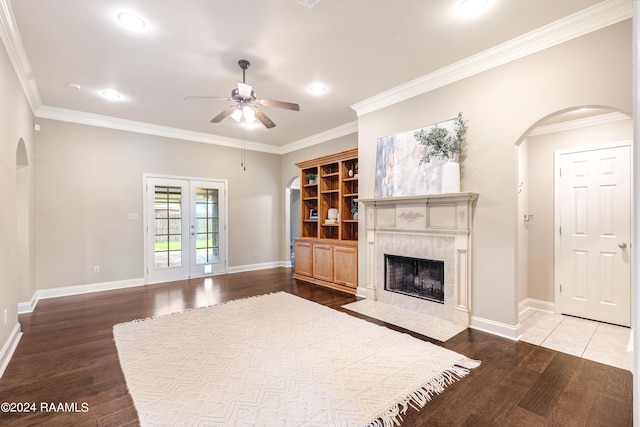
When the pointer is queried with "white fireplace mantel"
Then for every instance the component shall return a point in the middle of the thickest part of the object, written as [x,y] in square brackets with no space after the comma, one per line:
[437,226]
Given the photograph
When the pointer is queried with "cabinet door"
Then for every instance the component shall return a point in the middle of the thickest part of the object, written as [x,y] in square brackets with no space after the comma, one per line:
[323,262]
[346,266]
[304,258]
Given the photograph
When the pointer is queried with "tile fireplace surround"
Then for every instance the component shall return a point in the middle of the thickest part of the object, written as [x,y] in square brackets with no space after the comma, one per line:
[436,227]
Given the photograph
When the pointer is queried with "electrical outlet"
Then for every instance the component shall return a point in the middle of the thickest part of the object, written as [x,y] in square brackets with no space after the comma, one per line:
[133,216]
[96,269]
[255,254]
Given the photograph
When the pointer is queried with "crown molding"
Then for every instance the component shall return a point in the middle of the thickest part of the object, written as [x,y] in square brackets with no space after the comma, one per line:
[15,50]
[594,18]
[601,119]
[90,119]
[80,117]
[607,13]
[328,135]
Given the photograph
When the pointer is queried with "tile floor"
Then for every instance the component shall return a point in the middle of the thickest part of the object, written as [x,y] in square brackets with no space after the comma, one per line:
[600,342]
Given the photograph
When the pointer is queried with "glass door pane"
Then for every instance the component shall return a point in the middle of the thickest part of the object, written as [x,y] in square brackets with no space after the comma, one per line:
[168,226]
[208,228]
[167,219]
[207,223]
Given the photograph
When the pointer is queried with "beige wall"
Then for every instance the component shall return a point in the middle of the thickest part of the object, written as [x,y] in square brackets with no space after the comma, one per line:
[501,105]
[88,179]
[540,181]
[16,251]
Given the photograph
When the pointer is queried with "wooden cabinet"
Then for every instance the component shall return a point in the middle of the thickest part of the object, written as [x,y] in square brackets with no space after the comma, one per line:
[344,260]
[304,258]
[327,251]
[327,263]
[323,262]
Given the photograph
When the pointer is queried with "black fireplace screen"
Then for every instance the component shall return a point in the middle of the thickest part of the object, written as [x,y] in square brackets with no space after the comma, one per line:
[417,277]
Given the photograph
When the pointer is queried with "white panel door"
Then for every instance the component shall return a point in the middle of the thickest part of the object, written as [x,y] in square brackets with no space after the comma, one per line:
[185,229]
[594,197]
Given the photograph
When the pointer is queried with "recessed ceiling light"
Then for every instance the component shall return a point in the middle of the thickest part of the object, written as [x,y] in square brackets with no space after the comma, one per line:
[472,7]
[131,21]
[111,95]
[318,89]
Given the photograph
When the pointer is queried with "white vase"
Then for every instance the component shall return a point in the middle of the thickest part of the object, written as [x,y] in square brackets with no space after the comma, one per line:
[450,177]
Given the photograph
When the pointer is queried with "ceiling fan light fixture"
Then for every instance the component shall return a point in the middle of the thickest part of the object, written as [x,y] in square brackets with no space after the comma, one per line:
[237,115]
[248,114]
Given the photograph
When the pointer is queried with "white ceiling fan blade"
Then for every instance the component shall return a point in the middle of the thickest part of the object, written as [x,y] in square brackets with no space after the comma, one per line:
[244,90]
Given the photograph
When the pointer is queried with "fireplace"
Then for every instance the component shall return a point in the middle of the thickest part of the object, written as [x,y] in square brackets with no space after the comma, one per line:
[415,277]
[430,239]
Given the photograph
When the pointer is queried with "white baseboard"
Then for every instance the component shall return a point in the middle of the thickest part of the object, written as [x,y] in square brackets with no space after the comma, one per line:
[630,351]
[252,267]
[495,328]
[9,348]
[530,305]
[538,305]
[28,307]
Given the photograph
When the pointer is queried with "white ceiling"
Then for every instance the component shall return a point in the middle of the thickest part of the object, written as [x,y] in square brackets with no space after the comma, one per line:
[358,48]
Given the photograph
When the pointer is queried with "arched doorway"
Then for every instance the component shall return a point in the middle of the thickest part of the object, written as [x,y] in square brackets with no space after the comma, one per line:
[292,218]
[23,215]
[538,267]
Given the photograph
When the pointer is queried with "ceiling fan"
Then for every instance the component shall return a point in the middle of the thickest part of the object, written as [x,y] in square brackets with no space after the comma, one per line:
[246,106]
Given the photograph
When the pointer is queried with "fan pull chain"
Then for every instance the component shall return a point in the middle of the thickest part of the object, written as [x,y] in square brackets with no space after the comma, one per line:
[243,151]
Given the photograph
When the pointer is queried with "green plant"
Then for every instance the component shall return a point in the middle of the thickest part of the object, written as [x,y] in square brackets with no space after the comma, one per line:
[311,176]
[354,207]
[440,143]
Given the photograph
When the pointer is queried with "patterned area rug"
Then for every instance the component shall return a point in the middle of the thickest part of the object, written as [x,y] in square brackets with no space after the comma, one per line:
[280,360]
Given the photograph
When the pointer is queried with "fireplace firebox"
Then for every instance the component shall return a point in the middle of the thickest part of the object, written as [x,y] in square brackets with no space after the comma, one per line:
[416,277]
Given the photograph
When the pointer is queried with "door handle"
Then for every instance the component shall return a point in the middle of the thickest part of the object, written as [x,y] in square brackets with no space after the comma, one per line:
[622,245]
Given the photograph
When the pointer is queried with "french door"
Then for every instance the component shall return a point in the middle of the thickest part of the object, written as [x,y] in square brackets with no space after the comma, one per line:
[185,228]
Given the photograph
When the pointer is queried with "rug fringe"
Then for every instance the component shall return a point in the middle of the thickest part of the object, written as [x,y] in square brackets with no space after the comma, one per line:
[420,397]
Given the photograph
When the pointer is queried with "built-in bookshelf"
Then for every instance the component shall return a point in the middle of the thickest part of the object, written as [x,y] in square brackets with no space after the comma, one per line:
[326,252]
[329,185]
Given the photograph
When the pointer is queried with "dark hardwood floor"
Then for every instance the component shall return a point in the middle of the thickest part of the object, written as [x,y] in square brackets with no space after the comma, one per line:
[67,354]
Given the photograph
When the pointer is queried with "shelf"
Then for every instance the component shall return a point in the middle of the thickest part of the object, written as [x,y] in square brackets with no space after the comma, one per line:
[333,188]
